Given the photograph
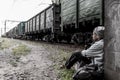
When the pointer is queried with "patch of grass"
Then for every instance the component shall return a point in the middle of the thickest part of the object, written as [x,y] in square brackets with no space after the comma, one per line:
[62,73]
[66,74]
[59,60]
[17,52]
[5,44]
[64,55]
[20,50]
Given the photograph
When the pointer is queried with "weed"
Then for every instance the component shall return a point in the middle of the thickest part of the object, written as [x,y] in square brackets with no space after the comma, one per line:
[5,44]
[20,50]
[59,60]
[66,74]
[13,63]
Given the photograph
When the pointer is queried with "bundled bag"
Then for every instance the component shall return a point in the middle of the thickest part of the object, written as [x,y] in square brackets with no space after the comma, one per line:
[88,73]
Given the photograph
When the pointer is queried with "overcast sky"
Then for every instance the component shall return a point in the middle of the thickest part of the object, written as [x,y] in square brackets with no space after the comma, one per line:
[19,10]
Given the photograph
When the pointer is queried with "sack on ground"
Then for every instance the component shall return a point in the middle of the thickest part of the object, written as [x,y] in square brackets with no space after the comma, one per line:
[82,74]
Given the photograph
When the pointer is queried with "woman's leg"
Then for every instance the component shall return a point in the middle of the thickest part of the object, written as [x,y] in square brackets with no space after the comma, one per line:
[77,56]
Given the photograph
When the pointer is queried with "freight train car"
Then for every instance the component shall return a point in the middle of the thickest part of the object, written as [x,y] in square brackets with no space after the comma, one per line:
[21,30]
[79,17]
[44,25]
[10,33]
[71,20]
[17,32]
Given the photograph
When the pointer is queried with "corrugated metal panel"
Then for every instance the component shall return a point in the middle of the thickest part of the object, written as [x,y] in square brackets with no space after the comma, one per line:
[56,17]
[34,25]
[42,19]
[19,29]
[14,31]
[31,25]
[68,11]
[22,28]
[26,27]
[11,33]
[49,18]
[89,8]
[37,22]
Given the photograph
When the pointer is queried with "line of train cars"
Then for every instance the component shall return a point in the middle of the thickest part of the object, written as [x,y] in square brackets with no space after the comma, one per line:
[70,20]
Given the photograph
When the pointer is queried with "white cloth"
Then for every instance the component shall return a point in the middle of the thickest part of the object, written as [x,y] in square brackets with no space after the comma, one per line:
[99,31]
[96,51]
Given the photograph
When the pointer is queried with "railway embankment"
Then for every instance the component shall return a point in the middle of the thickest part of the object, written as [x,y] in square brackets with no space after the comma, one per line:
[29,60]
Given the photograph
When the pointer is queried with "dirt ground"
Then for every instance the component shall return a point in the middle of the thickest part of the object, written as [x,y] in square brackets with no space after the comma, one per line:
[40,63]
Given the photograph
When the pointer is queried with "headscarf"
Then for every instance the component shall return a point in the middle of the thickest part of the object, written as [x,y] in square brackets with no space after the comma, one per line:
[99,31]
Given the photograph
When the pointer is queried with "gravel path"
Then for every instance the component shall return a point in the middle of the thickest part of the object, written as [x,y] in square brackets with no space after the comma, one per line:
[34,66]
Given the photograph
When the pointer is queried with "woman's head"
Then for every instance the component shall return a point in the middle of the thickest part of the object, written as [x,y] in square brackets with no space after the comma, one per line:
[98,33]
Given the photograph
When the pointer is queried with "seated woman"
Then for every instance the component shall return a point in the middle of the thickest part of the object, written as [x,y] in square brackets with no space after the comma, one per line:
[93,55]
